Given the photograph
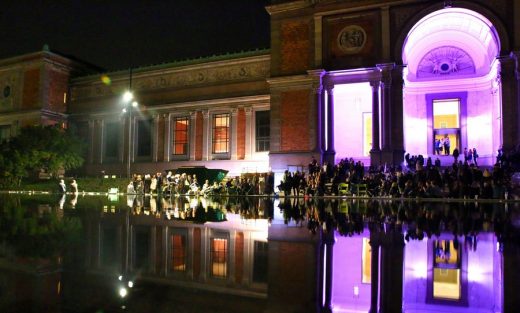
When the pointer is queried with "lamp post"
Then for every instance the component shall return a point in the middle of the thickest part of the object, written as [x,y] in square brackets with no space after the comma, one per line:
[129,105]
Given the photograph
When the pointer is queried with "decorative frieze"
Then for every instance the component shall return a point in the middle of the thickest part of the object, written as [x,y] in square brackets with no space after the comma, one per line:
[177,79]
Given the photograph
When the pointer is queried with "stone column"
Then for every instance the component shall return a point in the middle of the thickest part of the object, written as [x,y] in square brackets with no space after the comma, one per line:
[167,137]
[375,152]
[327,247]
[193,134]
[509,78]
[316,116]
[386,111]
[98,141]
[375,243]
[396,115]
[206,137]
[233,142]
[510,276]
[250,143]
[330,152]
[391,270]
[155,140]
[91,142]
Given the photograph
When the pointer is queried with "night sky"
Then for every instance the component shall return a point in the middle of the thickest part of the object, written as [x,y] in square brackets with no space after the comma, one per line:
[116,34]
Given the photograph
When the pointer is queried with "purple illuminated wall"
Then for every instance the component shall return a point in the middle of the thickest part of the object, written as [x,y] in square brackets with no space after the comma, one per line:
[347,274]
[351,101]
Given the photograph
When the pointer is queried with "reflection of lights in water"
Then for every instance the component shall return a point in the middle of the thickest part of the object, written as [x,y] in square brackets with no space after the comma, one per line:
[123,292]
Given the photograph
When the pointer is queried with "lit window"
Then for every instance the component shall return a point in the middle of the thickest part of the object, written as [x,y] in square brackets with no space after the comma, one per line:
[367,133]
[219,249]
[446,125]
[221,133]
[181,127]
[263,127]
[446,270]
[178,253]
[367,262]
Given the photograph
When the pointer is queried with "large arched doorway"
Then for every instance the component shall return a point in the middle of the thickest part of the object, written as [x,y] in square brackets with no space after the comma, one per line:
[451,96]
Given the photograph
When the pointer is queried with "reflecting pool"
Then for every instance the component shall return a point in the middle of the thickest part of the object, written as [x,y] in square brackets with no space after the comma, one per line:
[118,253]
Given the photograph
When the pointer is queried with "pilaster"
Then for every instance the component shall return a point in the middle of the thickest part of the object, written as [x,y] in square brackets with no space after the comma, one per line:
[167,137]
[155,141]
[249,131]
[234,134]
[206,137]
[375,152]
[193,135]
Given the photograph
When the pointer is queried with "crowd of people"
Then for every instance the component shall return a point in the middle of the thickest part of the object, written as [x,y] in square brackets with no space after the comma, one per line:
[185,184]
[419,178]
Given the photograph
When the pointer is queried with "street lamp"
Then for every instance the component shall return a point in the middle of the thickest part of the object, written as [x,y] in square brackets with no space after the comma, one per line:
[129,105]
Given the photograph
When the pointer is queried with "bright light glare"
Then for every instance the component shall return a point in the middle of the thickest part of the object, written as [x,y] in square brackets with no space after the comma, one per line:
[124,110]
[128,96]
[135,104]
[120,277]
[130,284]
[122,292]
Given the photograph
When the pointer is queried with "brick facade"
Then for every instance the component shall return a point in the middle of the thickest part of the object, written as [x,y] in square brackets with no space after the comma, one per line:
[294,116]
[295,47]
[31,89]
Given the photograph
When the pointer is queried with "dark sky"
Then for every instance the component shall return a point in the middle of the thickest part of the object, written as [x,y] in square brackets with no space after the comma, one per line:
[116,34]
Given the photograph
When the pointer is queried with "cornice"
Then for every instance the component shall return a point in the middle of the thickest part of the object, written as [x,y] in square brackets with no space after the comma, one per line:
[289,6]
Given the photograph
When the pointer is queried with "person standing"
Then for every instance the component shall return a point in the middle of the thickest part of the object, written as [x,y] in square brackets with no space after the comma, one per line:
[74,186]
[437,146]
[62,187]
[456,155]
[475,156]
[446,145]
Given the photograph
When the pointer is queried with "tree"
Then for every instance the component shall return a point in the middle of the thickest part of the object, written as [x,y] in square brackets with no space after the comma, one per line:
[39,147]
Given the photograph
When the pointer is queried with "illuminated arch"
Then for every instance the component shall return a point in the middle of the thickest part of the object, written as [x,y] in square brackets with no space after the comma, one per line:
[469,35]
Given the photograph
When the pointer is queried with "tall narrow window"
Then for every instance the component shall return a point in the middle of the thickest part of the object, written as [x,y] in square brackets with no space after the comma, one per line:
[446,270]
[367,262]
[263,126]
[144,138]
[178,253]
[446,125]
[181,130]
[218,253]
[220,133]
[367,133]
[111,140]
[260,262]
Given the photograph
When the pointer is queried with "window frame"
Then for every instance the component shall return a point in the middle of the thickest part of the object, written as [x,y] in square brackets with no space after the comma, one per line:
[137,131]
[463,268]
[266,140]
[117,141]
[462,130]
[173,142]
[226,154]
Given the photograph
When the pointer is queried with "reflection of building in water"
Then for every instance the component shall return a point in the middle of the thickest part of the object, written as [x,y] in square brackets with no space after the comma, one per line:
[228,256]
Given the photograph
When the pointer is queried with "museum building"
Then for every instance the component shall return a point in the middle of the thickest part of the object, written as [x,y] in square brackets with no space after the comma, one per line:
[371,80]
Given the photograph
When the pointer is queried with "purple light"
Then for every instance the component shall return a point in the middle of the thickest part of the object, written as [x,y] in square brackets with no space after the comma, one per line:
[351,101]
[349,294]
